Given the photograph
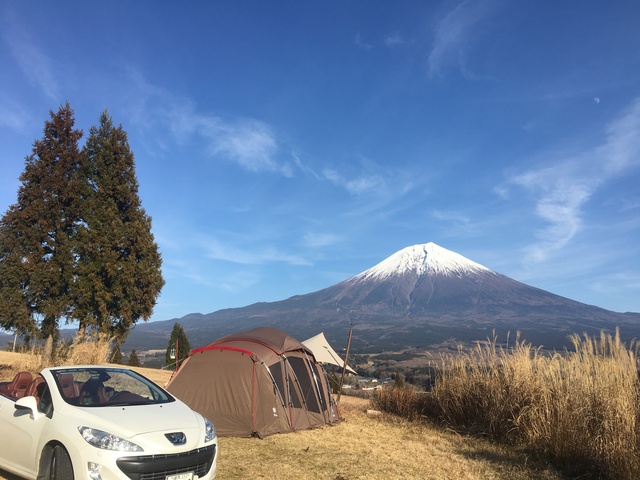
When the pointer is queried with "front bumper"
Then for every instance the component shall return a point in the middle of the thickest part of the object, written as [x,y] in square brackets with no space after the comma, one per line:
[158,467]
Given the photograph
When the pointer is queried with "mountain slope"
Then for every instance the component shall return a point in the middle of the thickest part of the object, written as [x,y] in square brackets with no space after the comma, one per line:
[419,296]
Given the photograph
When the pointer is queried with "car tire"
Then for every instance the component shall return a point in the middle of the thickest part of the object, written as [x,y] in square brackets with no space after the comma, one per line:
[58,465]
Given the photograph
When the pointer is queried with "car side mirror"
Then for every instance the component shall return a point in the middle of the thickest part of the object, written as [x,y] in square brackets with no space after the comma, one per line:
[28,403]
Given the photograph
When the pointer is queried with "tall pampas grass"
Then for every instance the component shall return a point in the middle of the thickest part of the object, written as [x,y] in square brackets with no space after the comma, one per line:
[580,408]
[92,349]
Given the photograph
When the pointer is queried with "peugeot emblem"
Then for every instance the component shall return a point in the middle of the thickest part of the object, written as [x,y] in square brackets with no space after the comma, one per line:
[177,438]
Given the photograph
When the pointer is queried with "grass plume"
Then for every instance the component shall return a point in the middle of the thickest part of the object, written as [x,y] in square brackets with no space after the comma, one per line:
[580,409]
[93,349]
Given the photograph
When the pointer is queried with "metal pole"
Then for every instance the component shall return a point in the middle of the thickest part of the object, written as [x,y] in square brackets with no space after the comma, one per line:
[177,357]
[344,367]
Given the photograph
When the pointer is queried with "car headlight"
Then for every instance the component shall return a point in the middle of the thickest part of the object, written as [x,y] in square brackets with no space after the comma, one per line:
[107,441]
[209,431]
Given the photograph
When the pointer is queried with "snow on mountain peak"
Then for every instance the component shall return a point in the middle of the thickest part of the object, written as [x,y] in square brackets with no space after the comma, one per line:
[422,259]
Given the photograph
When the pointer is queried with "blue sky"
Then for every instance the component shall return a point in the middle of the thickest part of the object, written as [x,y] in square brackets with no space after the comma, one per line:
[284,146]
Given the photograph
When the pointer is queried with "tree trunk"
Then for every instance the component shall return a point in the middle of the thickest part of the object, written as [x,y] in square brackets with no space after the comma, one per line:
[47,353]
[82,329]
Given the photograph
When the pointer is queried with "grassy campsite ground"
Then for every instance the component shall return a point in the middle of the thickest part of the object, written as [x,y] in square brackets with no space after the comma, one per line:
[363,446]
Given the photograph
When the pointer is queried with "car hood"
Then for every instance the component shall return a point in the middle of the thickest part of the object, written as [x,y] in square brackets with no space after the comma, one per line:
[135,420]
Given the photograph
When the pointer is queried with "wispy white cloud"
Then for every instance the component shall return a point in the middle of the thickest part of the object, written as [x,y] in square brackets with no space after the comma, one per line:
[630,204]
[390,40]
[34,64]
[249,256]
[355,186]
[563,188]
[458,224]
[502,191]
[304,167]
[249,142]
[454,34]
[359,42]
[141,98]
[319,240]
[196,274]
[611,283]
[240,273]
[12,115]
[393,40]
[238,281]
[622,147]
[190,273]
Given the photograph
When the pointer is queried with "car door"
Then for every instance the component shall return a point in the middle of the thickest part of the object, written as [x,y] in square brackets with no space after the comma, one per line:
[20,434]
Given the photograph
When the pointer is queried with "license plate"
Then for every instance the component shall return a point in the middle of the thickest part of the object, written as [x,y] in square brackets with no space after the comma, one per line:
[181,476]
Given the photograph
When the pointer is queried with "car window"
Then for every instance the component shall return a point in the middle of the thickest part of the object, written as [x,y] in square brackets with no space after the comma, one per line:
[102,387]
[45,405]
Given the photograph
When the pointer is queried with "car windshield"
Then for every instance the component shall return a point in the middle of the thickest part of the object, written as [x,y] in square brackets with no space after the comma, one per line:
[105,387]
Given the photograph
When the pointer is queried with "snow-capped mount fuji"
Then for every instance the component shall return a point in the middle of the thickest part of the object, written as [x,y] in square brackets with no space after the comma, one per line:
[422,260]
[431,281]
[422,295]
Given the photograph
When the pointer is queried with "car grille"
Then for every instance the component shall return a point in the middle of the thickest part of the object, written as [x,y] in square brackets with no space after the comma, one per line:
[157,467]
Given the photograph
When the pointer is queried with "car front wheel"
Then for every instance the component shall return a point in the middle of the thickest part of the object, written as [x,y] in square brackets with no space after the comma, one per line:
[57,465]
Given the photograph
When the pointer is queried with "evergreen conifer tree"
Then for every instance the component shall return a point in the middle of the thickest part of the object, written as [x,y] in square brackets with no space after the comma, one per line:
[116,354]
[177,335]
[16,310]
[134,361]
[37,258]
[118,274]
[77,245]
[399,380]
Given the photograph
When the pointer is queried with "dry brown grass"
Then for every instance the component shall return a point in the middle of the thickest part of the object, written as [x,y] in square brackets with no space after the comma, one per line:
[580,409]
[11,363]
[361,447]
[366,447]
[92,351]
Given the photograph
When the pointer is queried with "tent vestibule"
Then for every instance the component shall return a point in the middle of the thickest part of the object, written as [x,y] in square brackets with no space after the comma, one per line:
[324,353]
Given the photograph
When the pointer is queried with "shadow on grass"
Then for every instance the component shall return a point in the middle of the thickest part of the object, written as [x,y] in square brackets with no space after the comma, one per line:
[500,455]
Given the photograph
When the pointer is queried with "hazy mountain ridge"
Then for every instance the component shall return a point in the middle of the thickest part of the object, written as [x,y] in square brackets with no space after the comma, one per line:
[420,296]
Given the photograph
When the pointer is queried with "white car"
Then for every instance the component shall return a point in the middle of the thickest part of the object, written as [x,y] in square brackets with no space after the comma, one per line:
[101,423]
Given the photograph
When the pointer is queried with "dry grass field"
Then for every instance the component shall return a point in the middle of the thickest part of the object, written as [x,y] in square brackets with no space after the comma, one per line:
[580,407]
[361,447]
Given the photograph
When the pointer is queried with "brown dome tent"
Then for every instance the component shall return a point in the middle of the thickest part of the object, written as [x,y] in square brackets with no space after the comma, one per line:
[256,383]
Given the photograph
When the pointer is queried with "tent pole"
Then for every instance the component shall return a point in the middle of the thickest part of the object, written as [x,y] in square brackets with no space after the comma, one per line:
[344,367]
